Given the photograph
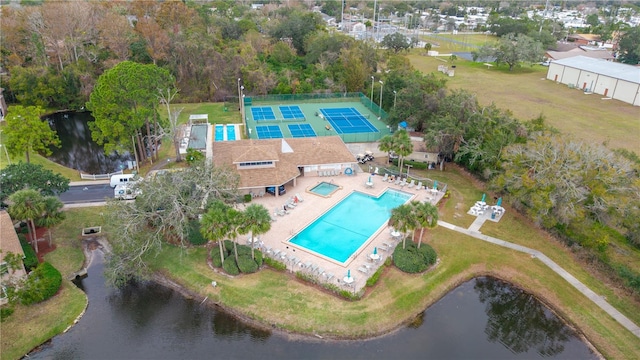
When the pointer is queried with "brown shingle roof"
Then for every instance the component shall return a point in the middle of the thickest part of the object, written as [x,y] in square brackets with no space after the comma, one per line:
[305,151]
[8,238]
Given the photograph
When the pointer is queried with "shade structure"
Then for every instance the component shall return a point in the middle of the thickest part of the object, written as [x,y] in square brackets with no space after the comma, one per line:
[369,178]
[484,196]
[375,250]
[499,202]
[435,185]
[349,273]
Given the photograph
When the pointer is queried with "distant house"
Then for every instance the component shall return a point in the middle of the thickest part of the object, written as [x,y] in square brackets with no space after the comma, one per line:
[584,39]
[610,79]
[275,162]
[9,243]
[582,50]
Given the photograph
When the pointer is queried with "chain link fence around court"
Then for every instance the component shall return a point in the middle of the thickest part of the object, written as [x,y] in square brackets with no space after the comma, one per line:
[324,98]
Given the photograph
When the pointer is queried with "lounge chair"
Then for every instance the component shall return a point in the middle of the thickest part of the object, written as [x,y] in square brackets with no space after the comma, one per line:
[276,253]
[319,271]
[363,270]
[403,183]
[307,264]
[329,276]
[385,177]
[419,186]
[412,184]
[300,199]
[398,180]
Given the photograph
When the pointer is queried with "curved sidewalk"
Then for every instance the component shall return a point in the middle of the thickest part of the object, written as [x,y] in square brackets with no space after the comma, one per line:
[599,300]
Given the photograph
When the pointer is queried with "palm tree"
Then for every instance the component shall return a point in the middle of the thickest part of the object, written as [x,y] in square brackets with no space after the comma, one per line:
[52,215]
[402,219]
[234,220]
[27,204]
[214,225]
[386,144]
[426,215]
[257,220]
[403,146]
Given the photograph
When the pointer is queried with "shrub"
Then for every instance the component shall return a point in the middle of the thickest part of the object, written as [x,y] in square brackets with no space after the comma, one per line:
[215,257]
[414,260]
[246,264]
[194,235]
[42,283]
[247,198]
[5,312]
[375,277]
[259,259]
[230,267]
[30,258]
[275,264]
[415,164]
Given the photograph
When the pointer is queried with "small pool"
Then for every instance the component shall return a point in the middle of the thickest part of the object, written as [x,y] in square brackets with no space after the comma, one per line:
[219,132]
[231,132]
[324,189]
[342,230]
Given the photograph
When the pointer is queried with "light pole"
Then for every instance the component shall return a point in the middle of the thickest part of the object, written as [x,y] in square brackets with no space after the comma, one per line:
[381,86]
[372,80]
[395,96]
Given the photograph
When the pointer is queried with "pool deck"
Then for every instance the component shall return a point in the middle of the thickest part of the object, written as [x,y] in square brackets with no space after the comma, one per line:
[313,206]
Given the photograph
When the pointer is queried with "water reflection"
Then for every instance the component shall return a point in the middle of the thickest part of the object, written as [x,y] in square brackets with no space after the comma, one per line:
[519,321]
[483,318]
[78,150]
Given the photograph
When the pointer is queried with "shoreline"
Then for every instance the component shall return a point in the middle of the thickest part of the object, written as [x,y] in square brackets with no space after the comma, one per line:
[168,282]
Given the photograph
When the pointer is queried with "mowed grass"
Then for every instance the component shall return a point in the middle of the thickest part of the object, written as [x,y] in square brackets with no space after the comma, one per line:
[527,94]
[30,326]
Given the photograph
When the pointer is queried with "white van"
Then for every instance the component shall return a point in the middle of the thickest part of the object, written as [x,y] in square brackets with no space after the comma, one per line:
[125,192]
[122,179]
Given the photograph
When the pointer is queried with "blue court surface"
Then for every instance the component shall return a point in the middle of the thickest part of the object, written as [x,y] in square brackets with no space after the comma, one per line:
[291,112]
[263,113]
[269,132]
[348,120]
[301,130]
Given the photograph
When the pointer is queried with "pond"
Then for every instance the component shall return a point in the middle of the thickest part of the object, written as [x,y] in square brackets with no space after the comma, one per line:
[78,150]
[482,318]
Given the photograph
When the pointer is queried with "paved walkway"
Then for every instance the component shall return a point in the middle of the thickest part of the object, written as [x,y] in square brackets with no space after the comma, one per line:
[598,299]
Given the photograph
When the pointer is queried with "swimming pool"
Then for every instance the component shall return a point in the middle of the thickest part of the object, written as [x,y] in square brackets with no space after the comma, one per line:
[342,230]
[219,132]
[231,132]
[324,189]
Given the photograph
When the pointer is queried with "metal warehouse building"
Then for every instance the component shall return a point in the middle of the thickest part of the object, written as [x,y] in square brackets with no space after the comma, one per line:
[614,80]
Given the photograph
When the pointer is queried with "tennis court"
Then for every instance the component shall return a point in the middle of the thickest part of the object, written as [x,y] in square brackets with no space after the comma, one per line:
[269,132]
[364,121]
[263,113]
[347,120]
[291,112]
[301,130]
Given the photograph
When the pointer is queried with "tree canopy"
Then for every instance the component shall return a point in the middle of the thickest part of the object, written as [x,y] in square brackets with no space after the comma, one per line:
[26,132]
[22,175]
[513,49]
[629,47]
[396,42]
[124,100]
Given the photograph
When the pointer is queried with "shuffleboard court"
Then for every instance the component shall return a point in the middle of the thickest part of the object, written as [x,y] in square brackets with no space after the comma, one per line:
[347,120]
[263,113]
[291,112]
[301,130]
[269,132]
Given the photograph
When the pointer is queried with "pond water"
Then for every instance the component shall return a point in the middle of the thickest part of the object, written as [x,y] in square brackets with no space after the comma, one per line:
[78,150]
[482,318]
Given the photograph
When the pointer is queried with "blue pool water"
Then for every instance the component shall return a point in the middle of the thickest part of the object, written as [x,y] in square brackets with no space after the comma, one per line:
[324,188]
[219,133]
[345,227]
[231,132]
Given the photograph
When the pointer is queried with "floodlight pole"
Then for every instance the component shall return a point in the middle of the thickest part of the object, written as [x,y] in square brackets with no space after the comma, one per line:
[395,96]
[372,80]
[381,86]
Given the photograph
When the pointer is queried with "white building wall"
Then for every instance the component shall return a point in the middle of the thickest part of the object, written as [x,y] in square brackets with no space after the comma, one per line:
[605,85]
[586,80]
[555,72]
[627,92]
[570,76]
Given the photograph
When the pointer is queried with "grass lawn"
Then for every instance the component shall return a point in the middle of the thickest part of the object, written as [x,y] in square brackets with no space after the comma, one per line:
[30,326]
[527,94]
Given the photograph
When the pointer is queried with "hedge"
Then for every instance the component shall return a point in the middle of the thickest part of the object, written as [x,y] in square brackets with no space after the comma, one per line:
[415,164]
[41,284]
[194,235]
[275,264]
[414,260]
[30,258]
[246,264]
[230,267]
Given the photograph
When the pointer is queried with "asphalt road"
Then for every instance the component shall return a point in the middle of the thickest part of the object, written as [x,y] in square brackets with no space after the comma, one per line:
[78,194]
